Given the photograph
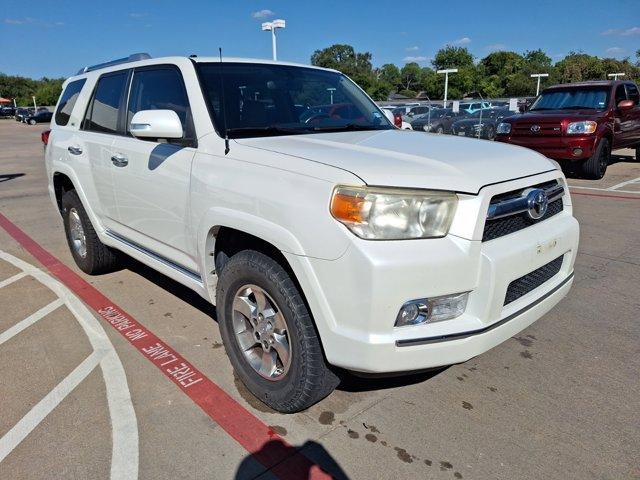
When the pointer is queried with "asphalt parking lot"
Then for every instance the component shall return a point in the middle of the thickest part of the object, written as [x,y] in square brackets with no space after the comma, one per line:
[83,399]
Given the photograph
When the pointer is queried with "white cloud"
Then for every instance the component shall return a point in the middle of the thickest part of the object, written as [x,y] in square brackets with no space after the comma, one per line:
[462,41]
[496,47]
[415,48]
[138,15]
[263,13]
[615,50]
[416,59]
[631,31]
[31,21]
[622,32]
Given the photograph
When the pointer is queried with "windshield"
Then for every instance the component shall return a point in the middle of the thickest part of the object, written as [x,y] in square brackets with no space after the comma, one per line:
[574,98]
[265,99]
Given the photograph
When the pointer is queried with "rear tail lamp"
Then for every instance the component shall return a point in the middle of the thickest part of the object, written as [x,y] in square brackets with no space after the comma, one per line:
[44,136]
[397,120]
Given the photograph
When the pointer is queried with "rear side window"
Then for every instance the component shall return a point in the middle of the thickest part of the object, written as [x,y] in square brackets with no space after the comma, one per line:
[102,114]
[632,92]
[68,101]
[159,89]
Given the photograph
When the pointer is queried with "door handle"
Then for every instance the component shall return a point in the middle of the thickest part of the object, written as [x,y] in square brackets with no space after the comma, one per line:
[75,150]
[119,160]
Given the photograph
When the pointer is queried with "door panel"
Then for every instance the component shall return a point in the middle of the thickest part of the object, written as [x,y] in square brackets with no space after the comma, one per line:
[152,195]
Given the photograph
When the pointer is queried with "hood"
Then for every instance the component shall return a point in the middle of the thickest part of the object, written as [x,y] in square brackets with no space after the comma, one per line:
[556,116]
[402,158]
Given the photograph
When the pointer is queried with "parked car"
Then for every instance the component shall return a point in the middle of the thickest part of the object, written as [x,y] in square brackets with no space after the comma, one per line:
[482,124]
[579,124]
[21,113]
[337,242]
[40,117]
[473,107]
[6,112]
[396,118]
[438,121]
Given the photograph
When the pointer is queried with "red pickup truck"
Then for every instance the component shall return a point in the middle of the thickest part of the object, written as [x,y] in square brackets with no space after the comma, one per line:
[579,123]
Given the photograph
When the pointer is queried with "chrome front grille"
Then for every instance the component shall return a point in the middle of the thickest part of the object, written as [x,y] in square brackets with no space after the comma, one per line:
[516,210]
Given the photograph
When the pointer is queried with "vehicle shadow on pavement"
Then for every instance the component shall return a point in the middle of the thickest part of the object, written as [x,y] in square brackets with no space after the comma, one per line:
[170,286]
[310,449]
[350,382]
[10,176]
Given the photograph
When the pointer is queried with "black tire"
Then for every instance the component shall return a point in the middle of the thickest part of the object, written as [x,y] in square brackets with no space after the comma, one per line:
[98,258]
[439,130]
[32,122]
[638,154]
[595,167]
[308,379]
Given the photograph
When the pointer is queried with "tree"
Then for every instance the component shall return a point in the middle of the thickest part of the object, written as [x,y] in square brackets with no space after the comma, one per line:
[390,74]
[410,75]
[577,67]
[452,57]
[502,63]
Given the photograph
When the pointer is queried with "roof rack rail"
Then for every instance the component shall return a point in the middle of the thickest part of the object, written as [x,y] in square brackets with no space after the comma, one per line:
[134,57]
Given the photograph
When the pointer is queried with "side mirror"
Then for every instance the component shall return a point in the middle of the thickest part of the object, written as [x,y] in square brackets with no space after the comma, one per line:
[626,105]
[156,124]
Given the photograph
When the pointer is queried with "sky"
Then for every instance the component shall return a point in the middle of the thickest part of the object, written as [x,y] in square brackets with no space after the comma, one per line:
[57,38]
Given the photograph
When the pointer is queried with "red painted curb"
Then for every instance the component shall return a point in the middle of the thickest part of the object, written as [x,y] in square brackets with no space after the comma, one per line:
[267,447]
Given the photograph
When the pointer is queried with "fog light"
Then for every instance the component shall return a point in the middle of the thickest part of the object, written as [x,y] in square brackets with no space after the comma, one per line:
[429,310]
[577,152]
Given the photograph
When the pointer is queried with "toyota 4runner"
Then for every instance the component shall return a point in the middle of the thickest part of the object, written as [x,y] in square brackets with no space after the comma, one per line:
[325,236]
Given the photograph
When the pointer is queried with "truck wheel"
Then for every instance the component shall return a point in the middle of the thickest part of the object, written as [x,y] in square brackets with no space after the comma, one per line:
[596,166]
[89,253]
[269,335]
[637,154]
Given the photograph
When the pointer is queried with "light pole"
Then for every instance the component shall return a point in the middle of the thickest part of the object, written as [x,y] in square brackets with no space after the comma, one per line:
[271,27]
[35,107]
[446,82]
[539,76]
[616,75]
[331,90]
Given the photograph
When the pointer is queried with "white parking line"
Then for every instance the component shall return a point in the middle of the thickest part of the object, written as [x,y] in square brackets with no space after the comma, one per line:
[574,187]
[124,425]
[30,320]
[44,407]
[10,280]
[622,184]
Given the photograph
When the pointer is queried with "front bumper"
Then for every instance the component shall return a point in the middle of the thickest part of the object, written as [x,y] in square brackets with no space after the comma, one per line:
[355,299]
[558,148]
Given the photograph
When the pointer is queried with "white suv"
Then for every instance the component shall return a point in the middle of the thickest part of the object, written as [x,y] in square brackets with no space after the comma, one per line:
[325,236]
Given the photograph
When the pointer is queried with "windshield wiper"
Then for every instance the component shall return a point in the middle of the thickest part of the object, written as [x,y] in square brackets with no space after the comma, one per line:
[348,127]
[578,107]
[268,130]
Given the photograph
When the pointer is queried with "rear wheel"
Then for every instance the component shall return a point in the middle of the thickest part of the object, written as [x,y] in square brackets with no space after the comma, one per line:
[491,132]
[439,130]
[269,335]
[89,253]
[32,122]
[596,166]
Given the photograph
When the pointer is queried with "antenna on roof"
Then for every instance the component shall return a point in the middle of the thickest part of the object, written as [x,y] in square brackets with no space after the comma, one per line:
[223,105]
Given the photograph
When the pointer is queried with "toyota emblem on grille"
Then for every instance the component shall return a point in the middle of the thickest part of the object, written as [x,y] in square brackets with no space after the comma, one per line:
[535,128]
[537,203]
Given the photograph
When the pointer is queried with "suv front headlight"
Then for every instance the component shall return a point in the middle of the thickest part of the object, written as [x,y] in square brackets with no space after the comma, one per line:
[504,128]
[379,213]
[581,128]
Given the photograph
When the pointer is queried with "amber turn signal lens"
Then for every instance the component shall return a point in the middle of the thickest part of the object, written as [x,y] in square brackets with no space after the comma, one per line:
[347,208]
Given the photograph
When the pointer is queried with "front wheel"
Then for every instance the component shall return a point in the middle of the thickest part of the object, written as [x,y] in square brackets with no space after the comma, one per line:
[269,335]
[32,122]
[595,166]
[439,130]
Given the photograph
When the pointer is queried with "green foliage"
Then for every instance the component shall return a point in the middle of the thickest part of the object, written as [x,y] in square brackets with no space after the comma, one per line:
[46,90]
[452,57]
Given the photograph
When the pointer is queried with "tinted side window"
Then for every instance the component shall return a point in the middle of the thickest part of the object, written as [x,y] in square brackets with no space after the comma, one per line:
[102,114]
[159,89]
[68,101]
[620,94]
[632,92]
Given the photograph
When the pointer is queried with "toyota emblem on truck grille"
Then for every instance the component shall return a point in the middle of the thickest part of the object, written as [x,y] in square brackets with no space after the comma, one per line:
[537,203]
[535,128]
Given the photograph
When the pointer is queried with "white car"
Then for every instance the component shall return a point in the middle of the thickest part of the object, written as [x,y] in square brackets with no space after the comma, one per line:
[397,120]
[324,236]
